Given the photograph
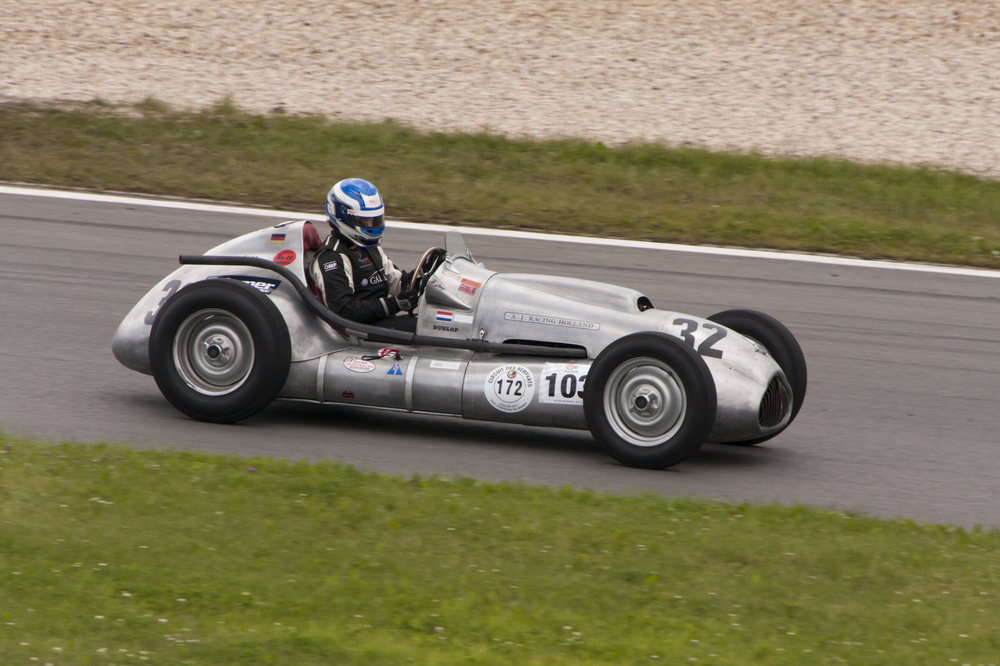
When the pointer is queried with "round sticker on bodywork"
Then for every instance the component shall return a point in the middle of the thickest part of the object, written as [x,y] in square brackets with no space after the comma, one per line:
[509,388]
[284,257]
[358,365]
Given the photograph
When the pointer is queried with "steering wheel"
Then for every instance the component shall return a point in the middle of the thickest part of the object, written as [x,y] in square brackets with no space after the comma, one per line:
[429,262]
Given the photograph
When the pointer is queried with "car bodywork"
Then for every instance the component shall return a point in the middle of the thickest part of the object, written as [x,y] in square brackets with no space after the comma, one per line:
[535,335]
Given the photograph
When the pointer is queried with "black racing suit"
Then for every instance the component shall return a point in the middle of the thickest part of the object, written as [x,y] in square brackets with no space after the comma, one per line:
[358,283]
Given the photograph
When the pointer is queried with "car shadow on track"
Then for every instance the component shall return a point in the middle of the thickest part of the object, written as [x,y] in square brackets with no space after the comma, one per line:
[726,455]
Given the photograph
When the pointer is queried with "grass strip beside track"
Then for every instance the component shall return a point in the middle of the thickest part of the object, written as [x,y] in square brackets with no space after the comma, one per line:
[645,192]
[110,555]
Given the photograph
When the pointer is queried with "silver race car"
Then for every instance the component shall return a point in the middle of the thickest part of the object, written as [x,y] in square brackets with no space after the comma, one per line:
[230,331]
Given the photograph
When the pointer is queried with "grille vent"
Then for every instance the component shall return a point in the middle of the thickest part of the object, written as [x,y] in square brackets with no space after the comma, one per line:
[774,405]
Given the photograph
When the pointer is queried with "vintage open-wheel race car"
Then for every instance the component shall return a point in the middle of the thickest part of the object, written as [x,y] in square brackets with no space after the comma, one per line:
[232,330]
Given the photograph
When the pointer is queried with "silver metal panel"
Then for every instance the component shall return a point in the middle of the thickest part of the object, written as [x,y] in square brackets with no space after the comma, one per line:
[739,394]
[301,382]
[437,385]
[488,400]
[741,375]
[351,379]
[453,294]
[517,307]
[585,292]
[427,380]
[310,337]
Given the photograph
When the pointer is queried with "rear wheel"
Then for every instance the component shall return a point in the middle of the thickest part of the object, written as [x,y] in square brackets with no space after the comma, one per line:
[219,351]
[780,344]
[650,400]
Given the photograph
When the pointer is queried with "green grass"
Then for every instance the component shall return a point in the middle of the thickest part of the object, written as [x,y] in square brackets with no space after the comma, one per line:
[115,556]
[570,186]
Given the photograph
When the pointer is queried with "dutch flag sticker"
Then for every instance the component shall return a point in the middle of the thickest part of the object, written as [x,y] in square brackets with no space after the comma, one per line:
[444,316]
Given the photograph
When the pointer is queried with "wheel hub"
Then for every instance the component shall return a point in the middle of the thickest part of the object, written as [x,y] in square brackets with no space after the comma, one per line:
[213,352]
[645,401]
[218,350]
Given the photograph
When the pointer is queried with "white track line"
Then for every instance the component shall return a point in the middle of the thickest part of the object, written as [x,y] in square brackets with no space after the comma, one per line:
[505,233]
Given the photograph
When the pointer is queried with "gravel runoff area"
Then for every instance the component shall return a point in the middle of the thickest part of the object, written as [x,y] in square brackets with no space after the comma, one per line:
[904,81]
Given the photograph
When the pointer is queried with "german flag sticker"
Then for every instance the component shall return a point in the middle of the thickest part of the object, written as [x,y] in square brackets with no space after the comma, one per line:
[278,239]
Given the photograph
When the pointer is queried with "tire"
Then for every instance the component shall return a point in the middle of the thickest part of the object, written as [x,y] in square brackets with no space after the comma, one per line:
[650,400]
[245,351]
[780,344]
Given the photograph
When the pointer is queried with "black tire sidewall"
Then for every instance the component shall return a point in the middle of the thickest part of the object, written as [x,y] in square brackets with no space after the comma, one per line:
[271,343]
[693,374]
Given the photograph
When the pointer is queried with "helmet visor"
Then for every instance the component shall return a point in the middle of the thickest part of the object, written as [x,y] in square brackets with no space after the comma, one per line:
[359,222]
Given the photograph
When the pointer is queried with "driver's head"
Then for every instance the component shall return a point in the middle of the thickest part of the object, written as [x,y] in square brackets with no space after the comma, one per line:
[354,208]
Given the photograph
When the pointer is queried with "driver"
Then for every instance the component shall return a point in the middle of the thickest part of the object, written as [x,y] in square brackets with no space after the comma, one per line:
[357,280]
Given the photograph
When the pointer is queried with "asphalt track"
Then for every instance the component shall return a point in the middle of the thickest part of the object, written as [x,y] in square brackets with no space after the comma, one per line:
[902,417]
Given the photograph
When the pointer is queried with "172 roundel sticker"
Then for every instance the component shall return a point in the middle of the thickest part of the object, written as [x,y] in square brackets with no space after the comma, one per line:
[509,388]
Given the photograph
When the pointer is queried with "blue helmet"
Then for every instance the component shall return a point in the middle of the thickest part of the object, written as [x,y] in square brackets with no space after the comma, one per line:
[354,208]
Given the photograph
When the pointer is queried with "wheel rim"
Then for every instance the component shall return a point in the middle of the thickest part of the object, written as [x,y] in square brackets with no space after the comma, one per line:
[645,401]
[213,352]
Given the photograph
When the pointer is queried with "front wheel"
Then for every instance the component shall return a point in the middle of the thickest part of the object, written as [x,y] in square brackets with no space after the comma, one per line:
[219,351]
[650,400]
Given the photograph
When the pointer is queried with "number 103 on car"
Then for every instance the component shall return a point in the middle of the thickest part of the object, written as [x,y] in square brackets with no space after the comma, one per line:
[563,383]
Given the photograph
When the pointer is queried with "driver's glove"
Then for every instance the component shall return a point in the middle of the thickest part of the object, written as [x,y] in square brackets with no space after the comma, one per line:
[405,300]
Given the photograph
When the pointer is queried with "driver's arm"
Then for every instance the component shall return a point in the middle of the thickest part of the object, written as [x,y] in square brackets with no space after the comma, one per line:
[398,280]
